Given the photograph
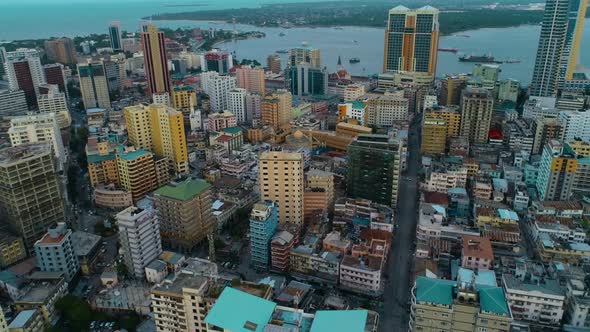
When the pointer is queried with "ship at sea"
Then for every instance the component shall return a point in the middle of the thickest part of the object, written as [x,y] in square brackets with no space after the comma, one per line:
[354,60]
[450,50]
[282,51]
[478,58]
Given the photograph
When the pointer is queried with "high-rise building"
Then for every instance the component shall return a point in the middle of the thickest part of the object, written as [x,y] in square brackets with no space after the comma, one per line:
[575,125]
[218,61]
[451,89]
[411,40]
[237,103]
[55,75]
[477,106]
[253,107]
[451,115]
[94,85]
[25,72]
[160,129]
[374,165]
[387,110]
[305,55]
[573,39]
[115,36]
[30,195]
[316,178]
[554,29]
[486,75]
[276,108]
[509,89]
[434,134]
[545,129]
[112,70]
[273,63]
[263,225]
[155,60]
[38,128]
[139,236]
[55,252]
[306,80]
[217,87]
[13,102]
[60,50]
[556,172]
[281,181]
[251,79]
[50,100]
[138,171]
[184,209]
[184,97]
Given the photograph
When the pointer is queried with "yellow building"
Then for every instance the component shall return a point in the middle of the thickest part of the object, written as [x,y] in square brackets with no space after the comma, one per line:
[580,147]
[160,129]
[451,89]
[102,163]
[139,172]
[276,109]
[12,249]
[434,134]
[184,97]
[281,181]
[452,117]
[351,129]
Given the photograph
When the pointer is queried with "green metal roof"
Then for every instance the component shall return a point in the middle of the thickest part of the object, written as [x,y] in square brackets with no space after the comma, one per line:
[232,130]
[184,190]
[131,154]
[356,104]
[492,299]
[238,311]
[97,158]
[437,291]
[339,320]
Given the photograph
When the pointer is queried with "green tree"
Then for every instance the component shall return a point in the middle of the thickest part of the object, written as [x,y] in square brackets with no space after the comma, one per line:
[76,311]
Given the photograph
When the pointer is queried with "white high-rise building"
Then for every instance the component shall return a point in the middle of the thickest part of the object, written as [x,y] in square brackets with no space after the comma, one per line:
[25,72]
[55,102]
[253,107]
[237,103]
[139,235]
[217,87]
[575,124]
[55,252]
[38,128]
[13,103]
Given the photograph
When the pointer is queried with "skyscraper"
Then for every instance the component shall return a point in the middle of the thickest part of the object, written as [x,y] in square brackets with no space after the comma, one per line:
[251,79]
[218,61]
[217,87]
[94,85]
[306,80]
[54,74]
[411,40]
[115,36]
[305,54]
[237,104]
[60,50]
[477,106]
[30,195]
[155,60]
[552,43]
[374,168]
[557,172]
[281,181]
[263,224]
[276,108]
[573,38]
[25,72]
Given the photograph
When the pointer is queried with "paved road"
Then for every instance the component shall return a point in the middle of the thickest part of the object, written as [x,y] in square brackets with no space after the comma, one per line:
[397,287]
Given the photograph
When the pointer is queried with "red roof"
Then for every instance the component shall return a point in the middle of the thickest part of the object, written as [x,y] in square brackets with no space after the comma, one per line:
[495,133]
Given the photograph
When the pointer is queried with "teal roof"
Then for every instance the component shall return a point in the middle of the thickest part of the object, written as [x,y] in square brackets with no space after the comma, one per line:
[340,320]
[184,190]
[492,299]
[131,154]
[356,104]
[232,130]
[437,291]
[238,311]
[96,158]
[21,320]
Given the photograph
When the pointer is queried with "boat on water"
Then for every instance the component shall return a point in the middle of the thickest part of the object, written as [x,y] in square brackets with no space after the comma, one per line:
[282,34]
[512,61]
[478,58]
[450,50]
[282,51]
[355,41]
[354,60]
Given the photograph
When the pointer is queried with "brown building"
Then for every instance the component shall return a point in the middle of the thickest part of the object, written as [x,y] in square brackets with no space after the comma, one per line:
[452,86]
[315,199]
[61,50]
[276,109]
[54,74]
[280,250]
[477,106]
[273,63]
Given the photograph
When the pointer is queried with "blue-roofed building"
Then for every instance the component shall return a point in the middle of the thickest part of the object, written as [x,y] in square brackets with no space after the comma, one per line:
[340,320]
[263,225]
[27,320]
[439,304]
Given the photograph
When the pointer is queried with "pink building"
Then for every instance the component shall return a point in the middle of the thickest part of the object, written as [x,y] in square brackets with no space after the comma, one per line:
[477,253]
[251,79]
[222,120]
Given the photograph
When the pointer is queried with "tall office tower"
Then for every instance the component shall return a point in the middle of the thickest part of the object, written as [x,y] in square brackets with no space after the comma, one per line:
[155,60]
[253,107]
[374,164]
[545,129]
[434,134]
[251,79]
[556,172]
[305,80]
[411,40]
[305,55]
[184,97]
[139,172]
[115,36]
[55,74]
[13,103]
[60,50]
[184,209]
[477,106]
[38,128]
[112,71]
[25,72]
[139,235]
[554,30]
[276,108]
[218,61]
[237,104]
[281,181]
[94,85]
[160,129]
[273,63]
[573,39]
[55,252]
[451,89]
[30,195]
[217,88]
[575,125]
[264,220]
[2,60]
[50,100]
